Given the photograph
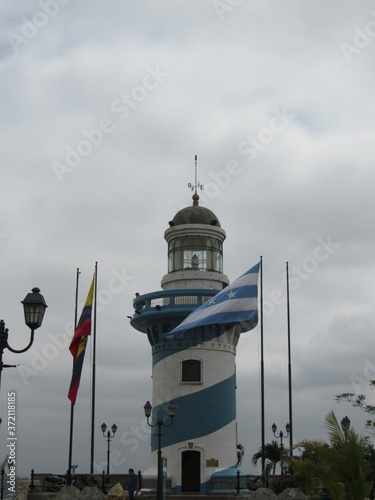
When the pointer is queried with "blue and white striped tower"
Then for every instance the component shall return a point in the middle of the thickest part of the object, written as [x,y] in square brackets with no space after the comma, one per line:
[197,372]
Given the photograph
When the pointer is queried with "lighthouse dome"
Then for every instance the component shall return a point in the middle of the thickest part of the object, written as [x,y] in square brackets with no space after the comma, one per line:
[195,215]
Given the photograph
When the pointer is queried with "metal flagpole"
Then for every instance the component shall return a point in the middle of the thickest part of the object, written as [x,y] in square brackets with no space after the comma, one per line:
[93,376]
[71,404]
[262,368]
[289,365]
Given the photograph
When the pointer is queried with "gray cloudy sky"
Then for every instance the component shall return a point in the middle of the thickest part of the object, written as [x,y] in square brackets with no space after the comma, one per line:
[103,108]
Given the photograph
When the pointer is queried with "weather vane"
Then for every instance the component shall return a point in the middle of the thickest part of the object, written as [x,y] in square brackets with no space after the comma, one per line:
[197,185]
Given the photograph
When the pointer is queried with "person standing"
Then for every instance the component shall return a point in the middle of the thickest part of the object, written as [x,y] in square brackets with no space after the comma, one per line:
[133,484]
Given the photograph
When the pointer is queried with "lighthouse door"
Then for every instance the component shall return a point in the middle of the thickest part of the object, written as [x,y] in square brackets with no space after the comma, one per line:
[191,471]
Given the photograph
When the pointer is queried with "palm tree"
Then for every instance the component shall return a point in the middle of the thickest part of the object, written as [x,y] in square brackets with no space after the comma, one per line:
[272,453]
[339,466]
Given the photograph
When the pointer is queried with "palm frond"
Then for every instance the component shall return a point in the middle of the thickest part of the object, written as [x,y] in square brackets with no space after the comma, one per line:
[336,434]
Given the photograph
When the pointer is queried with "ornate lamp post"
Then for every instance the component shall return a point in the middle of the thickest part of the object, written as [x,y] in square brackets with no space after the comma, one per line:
[281,436]
[159,424]
[34,307]
[109,438]
[345,426]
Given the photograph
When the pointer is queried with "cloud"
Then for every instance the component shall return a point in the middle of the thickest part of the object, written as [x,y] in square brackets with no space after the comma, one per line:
[303,184]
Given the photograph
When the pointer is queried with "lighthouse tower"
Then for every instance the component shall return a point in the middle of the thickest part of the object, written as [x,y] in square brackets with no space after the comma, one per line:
[196,371]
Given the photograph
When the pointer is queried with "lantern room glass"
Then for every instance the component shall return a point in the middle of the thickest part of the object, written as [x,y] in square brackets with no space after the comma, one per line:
[195,253]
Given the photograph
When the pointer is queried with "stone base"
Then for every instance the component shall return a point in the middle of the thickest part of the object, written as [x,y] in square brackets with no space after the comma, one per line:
[150,480]
[227,480]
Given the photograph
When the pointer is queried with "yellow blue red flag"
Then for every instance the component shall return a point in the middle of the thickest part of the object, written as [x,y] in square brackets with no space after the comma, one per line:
[78,344]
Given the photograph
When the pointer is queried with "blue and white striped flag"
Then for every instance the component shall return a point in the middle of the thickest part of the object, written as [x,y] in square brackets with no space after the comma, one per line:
[237,304]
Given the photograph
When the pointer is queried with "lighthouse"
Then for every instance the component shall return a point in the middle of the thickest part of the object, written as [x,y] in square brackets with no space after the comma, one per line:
[196,369]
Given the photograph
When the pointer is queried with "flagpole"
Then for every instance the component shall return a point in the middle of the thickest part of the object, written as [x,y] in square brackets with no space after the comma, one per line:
[71,404]
[289,364]
[262,368]
[93,377]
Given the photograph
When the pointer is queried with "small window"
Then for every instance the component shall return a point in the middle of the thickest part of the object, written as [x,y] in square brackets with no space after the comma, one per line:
[191,371]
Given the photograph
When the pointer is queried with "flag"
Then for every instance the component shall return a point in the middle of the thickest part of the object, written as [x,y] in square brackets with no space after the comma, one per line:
[78,344]
[237,304]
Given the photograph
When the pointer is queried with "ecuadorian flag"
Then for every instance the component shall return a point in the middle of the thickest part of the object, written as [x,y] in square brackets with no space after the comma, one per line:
[78,344]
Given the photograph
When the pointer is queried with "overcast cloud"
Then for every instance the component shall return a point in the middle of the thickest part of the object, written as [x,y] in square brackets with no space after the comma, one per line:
[103,108]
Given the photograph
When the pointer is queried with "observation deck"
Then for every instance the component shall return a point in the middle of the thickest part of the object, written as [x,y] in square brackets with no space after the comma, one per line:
[159,312]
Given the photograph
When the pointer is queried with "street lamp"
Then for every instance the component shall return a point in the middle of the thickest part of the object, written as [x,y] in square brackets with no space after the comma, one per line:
[160,423]
[281,436]
[34,307]
[109,438]
[345,426]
